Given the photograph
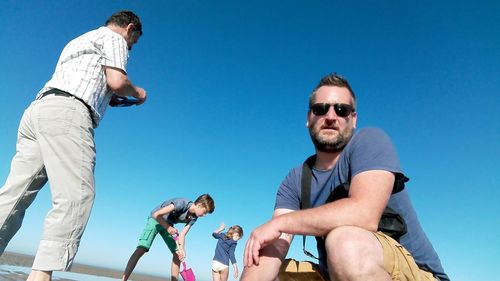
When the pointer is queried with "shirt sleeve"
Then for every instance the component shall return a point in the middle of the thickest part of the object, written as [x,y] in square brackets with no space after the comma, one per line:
[288,195]
[218,235]
[115,51]
[180,205]
[372,149]
[231,253]
[164,204]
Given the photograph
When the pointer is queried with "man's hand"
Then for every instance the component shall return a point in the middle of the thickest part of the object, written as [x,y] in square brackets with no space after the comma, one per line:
[259,238]
[142,95]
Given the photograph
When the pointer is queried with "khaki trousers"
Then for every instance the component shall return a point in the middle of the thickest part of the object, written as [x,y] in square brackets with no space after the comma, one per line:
[55,143]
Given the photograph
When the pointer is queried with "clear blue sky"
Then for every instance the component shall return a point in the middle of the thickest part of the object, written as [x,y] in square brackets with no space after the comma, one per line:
[228,83]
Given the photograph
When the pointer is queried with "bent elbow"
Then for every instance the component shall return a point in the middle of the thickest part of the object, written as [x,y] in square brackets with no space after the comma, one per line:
[369,223]
[116,84]
[156,216]
[116,80]
[373,227]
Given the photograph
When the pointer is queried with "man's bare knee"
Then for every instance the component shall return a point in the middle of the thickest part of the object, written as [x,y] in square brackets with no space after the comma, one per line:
[343,243]
[352,251]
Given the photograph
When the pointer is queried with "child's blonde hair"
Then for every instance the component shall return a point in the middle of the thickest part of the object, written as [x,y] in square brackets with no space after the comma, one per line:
[234,229]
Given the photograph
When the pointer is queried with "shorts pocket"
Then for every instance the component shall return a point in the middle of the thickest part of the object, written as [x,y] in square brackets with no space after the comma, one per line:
[408,269]
[146,234]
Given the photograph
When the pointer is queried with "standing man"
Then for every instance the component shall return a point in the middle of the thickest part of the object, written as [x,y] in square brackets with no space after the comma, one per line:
[362,173]
[56,140]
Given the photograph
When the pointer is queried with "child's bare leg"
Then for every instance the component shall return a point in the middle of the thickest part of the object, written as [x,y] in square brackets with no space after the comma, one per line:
[216,275]
[224,274]
[174,271]
[132,262]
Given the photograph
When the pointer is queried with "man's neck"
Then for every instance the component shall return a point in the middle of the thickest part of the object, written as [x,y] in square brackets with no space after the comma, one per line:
[326,160]
[115,28]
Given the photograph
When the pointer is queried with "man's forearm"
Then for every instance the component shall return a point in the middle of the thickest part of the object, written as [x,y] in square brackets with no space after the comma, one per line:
[119,83]
[271,259]
[321,220]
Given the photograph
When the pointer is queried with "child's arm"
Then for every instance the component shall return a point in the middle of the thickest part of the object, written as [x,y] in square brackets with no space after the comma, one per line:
[235,271]
[158,216]
[181,242]
[233,260]
[220,229]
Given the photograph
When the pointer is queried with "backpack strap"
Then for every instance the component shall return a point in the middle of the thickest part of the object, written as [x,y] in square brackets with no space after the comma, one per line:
[305,184]
[305,194]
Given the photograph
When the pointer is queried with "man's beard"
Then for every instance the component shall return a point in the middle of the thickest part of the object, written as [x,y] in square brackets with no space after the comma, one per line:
[330,145]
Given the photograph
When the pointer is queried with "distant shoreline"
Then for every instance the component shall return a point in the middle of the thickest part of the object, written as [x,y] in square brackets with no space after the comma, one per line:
[17,259]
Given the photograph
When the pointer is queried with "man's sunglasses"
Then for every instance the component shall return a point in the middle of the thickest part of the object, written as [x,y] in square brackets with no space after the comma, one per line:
[341,109]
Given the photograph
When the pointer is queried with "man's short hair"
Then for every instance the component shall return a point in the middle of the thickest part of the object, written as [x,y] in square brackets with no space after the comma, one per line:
[333,79]
[123,18]
[206,201]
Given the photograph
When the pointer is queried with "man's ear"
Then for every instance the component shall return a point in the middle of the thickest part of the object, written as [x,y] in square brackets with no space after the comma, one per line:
[354,119]
[130,27]
[307,119]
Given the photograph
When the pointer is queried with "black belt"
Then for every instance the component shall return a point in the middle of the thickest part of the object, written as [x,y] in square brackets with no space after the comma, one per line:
[57,92]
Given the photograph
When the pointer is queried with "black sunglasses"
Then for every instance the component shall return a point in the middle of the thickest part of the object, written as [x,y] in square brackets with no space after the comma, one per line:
[341,109]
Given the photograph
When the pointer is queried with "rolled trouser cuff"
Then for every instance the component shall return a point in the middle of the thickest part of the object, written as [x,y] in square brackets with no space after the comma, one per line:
[55,255]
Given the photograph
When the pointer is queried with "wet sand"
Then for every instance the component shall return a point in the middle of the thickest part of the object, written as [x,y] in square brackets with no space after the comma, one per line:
[16,259]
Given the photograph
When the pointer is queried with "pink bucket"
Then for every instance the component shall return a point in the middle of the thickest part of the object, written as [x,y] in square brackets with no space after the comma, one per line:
[187,274]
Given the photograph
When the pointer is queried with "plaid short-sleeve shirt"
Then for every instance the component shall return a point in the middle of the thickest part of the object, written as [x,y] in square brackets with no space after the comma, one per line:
[80,70]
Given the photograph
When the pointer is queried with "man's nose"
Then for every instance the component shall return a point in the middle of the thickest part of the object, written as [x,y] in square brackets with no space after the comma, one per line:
[330,114]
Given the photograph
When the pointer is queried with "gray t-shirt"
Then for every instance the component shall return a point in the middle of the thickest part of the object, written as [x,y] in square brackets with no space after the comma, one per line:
[180,214]
[369,149]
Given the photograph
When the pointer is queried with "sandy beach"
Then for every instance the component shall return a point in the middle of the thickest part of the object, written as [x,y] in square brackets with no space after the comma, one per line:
[16,259]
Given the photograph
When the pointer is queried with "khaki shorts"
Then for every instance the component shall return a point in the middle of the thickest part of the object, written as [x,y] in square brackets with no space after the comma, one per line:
[292,270]
[399,263]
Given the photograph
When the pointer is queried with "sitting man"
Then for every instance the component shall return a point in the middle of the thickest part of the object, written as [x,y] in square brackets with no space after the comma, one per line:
[355,180]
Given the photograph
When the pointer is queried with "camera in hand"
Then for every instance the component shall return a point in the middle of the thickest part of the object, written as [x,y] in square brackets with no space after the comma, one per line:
[118,101]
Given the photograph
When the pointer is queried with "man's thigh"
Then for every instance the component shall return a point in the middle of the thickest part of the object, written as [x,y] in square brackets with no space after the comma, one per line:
[399,263]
